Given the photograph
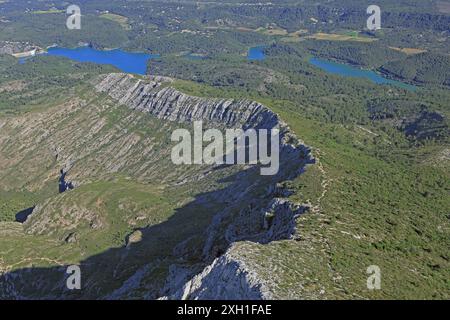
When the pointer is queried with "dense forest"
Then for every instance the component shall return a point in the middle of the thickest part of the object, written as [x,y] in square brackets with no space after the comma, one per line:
[421,68]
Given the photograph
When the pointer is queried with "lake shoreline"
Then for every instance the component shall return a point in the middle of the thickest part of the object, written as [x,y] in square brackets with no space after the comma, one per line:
[129,62]
[333,66]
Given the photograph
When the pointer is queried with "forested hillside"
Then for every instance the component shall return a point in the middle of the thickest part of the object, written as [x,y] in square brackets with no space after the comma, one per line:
[421,68]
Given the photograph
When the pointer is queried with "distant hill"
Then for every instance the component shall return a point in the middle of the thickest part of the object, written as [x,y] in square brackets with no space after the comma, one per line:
[421,68]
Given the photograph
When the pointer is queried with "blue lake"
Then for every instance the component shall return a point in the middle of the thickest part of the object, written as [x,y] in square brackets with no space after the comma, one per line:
[256,53]
[126,61]
[349,71]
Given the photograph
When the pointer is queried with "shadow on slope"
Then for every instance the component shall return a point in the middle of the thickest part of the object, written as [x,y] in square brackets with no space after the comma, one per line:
[141,268]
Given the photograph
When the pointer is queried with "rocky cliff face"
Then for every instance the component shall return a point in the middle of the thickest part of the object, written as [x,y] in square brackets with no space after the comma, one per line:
[114,143]
[169,104]
[270,217]
[227,277]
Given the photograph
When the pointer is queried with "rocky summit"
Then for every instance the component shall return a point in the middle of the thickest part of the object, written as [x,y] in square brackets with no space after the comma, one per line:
[78,136]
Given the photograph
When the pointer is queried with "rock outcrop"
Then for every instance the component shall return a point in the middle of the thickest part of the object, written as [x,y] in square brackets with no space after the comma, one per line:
[267,218]
[167,103]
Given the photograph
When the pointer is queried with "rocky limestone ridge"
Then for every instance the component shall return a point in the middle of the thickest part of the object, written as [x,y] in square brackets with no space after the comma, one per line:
[226,278]
[274,222]
[165,102]
[269,218]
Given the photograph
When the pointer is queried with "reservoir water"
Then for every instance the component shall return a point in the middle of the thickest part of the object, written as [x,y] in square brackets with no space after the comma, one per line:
[126,61]
[349,71]
[256,53]
[22,216]
[137,62]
